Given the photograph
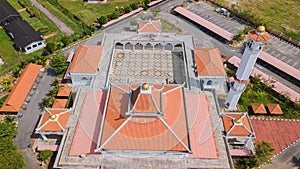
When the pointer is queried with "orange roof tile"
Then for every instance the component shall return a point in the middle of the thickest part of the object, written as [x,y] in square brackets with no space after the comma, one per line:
[18,95]
[258,108]
[209,62]
[153,26]
[256,37]
[60,103]
[64,92]
[234,129]
[274,109]
[144,133]
[58,124]
[86,59]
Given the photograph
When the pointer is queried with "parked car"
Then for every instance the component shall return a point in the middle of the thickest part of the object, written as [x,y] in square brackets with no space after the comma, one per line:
[223,11]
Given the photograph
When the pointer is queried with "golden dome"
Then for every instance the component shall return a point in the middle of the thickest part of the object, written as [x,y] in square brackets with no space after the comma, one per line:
[53,117]
[238,121]
[261,29]
[145,86]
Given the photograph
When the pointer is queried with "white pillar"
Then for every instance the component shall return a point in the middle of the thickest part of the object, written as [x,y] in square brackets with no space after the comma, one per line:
[257,38]
[44,137]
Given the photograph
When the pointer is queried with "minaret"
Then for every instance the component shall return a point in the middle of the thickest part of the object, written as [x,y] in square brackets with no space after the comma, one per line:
[257,39]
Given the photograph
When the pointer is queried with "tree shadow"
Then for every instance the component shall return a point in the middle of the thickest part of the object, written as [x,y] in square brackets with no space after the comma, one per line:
[296,161]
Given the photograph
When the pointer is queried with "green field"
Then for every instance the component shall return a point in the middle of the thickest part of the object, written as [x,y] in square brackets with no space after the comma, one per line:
[88,13]
[8,53]
[283,16]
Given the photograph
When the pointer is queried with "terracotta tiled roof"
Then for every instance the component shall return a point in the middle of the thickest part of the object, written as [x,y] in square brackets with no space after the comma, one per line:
[151,26]
[280,132]
[209,62]
[258,108]
[64,92]
[88,126]
[57,124]
[18,95]
[86,59]
[122,132]
[274,109]
[234,129]
[256,37]
[60,103]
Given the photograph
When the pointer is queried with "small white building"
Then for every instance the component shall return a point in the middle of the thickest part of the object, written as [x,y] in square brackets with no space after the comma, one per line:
[209,68]
[84,66]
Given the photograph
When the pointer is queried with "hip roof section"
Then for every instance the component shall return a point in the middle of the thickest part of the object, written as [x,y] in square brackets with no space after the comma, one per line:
[151,133]
[86,59]
[209,62]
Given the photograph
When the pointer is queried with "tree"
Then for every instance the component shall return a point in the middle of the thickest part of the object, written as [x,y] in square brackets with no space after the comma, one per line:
[50,47]
[115,15]
[65,40]
[264,152]
[45,154]
[102,20]
[128,9]
[58,63]
[134,6]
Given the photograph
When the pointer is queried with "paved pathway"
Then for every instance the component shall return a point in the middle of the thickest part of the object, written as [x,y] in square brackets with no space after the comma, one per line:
[63,27]
[27,122]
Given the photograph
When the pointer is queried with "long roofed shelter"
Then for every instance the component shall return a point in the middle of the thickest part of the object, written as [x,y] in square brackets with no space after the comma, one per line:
[16,98]
[7,13]
[24,36]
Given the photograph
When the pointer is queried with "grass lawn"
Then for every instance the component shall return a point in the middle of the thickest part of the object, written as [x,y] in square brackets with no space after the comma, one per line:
[60,15]
[8,53]
[255,93]
[168,27]
[281,15]
[88,13]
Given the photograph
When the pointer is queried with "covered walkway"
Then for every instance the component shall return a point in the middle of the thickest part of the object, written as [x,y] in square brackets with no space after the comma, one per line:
[203,22]
[279,65]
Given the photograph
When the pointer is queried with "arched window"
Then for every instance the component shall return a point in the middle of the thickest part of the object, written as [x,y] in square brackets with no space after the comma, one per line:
[209,82]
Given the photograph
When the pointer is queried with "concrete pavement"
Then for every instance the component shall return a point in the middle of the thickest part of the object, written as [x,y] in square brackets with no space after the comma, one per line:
[28,121]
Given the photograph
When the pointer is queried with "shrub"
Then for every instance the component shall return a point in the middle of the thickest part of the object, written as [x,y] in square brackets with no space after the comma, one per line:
[65,40]
[115,15]
[50,47]
[102,20]
[45,154]
[146,2]
[128,9]
[134,6]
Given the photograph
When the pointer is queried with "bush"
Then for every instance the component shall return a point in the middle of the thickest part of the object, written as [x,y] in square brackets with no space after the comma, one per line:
[128,9]
[102,20]
[146,2]
[65,40]
[50,47]
[134,6]
[58,64]
[115,15]
[45,154]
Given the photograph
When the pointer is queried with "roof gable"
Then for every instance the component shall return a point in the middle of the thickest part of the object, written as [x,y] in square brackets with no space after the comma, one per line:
[60,103]
[20,91]
[209,62]
[149,27]
[274,109]
[86,59]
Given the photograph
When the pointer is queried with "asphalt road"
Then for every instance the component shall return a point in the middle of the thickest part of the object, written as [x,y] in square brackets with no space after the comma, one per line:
[28,121]
[62,26]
